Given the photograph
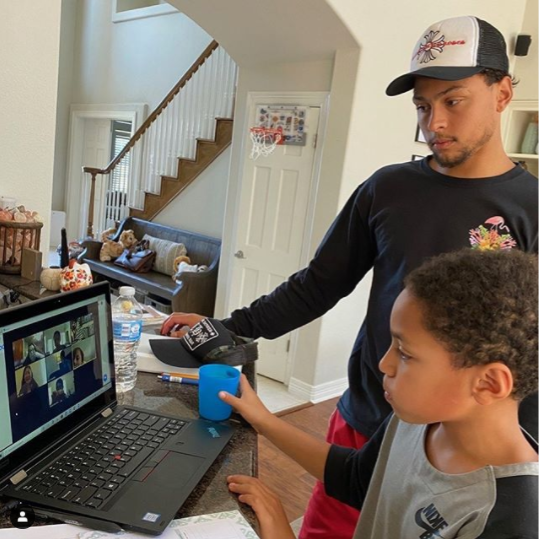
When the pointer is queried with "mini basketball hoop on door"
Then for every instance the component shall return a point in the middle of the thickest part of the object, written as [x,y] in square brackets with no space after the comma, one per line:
[264,140]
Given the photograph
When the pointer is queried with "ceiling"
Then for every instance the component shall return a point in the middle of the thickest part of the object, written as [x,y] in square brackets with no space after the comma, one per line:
[257,32]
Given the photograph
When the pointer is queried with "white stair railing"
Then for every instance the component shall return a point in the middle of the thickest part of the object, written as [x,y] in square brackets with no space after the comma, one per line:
[188,113]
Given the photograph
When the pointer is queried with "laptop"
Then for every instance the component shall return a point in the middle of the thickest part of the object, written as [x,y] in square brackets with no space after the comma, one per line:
[67,448]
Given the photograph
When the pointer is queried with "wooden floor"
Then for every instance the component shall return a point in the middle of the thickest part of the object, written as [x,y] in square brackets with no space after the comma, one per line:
[282,474]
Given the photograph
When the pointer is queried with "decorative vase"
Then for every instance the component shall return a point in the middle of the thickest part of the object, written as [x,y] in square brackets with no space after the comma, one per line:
[529,142]
[50,278]
[75,276]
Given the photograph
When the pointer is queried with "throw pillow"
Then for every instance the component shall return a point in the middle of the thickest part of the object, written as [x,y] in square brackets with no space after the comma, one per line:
[165,253]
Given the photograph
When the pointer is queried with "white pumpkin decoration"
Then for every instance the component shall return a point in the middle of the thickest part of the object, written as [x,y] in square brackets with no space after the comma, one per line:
[50,278]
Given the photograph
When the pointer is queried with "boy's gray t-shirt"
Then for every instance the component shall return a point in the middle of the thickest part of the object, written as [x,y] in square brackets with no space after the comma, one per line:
[408,498]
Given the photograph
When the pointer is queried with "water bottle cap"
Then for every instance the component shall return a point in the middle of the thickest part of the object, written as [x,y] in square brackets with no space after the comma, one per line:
[128,291]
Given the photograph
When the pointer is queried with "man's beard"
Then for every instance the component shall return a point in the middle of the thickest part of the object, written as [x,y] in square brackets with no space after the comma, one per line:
[463,155]
[455,160]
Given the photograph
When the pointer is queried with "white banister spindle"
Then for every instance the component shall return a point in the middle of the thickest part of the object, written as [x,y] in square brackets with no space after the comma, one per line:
[206,87]
[231,88]
[151,162]
[190,118]
[211,96]
[221,86]
[201,102]
[215,88]
[204,102]
[168,140]
[228,88]
[159,138]
[162,147]
[224,88]
[217,84]
[196,114]
[173,131]
[144,165]
[180,143]
[206,84]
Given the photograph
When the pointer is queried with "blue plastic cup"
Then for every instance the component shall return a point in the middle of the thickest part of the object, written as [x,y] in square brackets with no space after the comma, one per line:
[212,379]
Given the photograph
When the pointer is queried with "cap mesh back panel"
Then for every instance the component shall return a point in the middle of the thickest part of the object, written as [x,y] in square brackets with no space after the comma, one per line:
[492,50]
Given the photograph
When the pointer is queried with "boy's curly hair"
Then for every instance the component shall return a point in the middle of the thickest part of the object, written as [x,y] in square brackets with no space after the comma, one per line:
[482,305]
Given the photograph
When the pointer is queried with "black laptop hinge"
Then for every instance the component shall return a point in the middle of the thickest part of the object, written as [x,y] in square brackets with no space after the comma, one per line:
[18,477]
[107,412]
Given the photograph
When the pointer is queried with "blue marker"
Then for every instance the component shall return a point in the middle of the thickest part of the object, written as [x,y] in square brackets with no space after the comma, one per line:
[177,379]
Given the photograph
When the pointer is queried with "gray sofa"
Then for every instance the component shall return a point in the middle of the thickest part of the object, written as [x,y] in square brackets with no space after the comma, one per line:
[195,292]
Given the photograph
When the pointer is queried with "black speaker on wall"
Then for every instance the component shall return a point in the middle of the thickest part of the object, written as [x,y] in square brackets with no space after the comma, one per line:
[522,45]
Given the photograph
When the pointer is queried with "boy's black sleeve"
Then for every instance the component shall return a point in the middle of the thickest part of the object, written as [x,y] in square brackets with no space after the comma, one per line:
[348,472]
[510,520]
[345,255]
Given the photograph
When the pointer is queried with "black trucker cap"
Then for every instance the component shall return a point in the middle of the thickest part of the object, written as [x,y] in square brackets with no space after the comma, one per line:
[454,49]
[206,342]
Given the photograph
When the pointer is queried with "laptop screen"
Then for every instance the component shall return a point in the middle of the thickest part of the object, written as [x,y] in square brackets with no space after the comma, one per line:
[53,362]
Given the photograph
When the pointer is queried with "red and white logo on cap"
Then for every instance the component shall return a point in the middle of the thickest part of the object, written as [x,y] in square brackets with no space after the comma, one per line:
[449,43]
[434,43]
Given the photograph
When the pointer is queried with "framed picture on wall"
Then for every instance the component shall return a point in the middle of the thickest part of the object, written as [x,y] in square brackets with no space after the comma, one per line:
[419,136]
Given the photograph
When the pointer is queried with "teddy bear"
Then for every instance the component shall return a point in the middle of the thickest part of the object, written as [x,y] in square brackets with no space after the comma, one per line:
[175,265]
[108,234]
[113,249]
[183,264]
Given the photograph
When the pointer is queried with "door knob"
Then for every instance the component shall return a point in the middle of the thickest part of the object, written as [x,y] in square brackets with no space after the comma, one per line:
[239,254]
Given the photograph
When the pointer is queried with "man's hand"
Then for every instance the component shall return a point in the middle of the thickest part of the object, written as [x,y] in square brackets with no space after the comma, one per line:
[178,324]
[265,503]
[248,405]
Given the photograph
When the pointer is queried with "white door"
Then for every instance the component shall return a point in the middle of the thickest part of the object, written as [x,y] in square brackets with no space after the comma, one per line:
[96,153]
[271,225]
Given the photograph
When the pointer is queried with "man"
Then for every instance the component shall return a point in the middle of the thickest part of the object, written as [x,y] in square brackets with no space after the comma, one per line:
[58,346]
[467,194]
[59,394]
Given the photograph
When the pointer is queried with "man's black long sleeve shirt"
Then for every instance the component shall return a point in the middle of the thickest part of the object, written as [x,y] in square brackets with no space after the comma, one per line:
[394,221]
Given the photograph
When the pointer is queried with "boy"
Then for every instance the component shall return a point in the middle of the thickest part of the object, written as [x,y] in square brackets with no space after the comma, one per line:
[452,460]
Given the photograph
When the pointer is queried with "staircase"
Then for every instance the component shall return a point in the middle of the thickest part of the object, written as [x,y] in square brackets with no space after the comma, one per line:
[188,170]
[189,129]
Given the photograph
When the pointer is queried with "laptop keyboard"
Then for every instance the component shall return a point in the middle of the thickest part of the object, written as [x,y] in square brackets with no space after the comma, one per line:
[96,467]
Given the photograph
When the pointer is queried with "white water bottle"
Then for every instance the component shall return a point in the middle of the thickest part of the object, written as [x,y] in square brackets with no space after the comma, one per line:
[126,325]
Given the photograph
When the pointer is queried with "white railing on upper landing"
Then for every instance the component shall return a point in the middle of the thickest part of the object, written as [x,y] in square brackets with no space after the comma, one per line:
[188,113]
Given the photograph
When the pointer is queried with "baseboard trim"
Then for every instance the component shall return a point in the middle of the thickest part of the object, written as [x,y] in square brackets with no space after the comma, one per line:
[297,408]
[318,393]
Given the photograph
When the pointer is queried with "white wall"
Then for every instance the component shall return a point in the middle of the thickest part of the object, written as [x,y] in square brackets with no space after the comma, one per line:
[135,61]
[29,50]
[201,208]
[65,93]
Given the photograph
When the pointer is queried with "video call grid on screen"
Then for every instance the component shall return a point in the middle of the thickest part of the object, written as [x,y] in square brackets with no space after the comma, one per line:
[51,365]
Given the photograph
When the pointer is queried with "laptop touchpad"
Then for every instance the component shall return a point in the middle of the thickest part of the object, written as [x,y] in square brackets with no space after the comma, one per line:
[175,469]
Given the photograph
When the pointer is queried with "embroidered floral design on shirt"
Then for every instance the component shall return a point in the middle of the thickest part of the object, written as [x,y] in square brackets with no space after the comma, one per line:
[491,238]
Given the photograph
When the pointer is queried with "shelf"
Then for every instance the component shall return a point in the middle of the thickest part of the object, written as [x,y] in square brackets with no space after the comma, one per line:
[525,156]
[517,118]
